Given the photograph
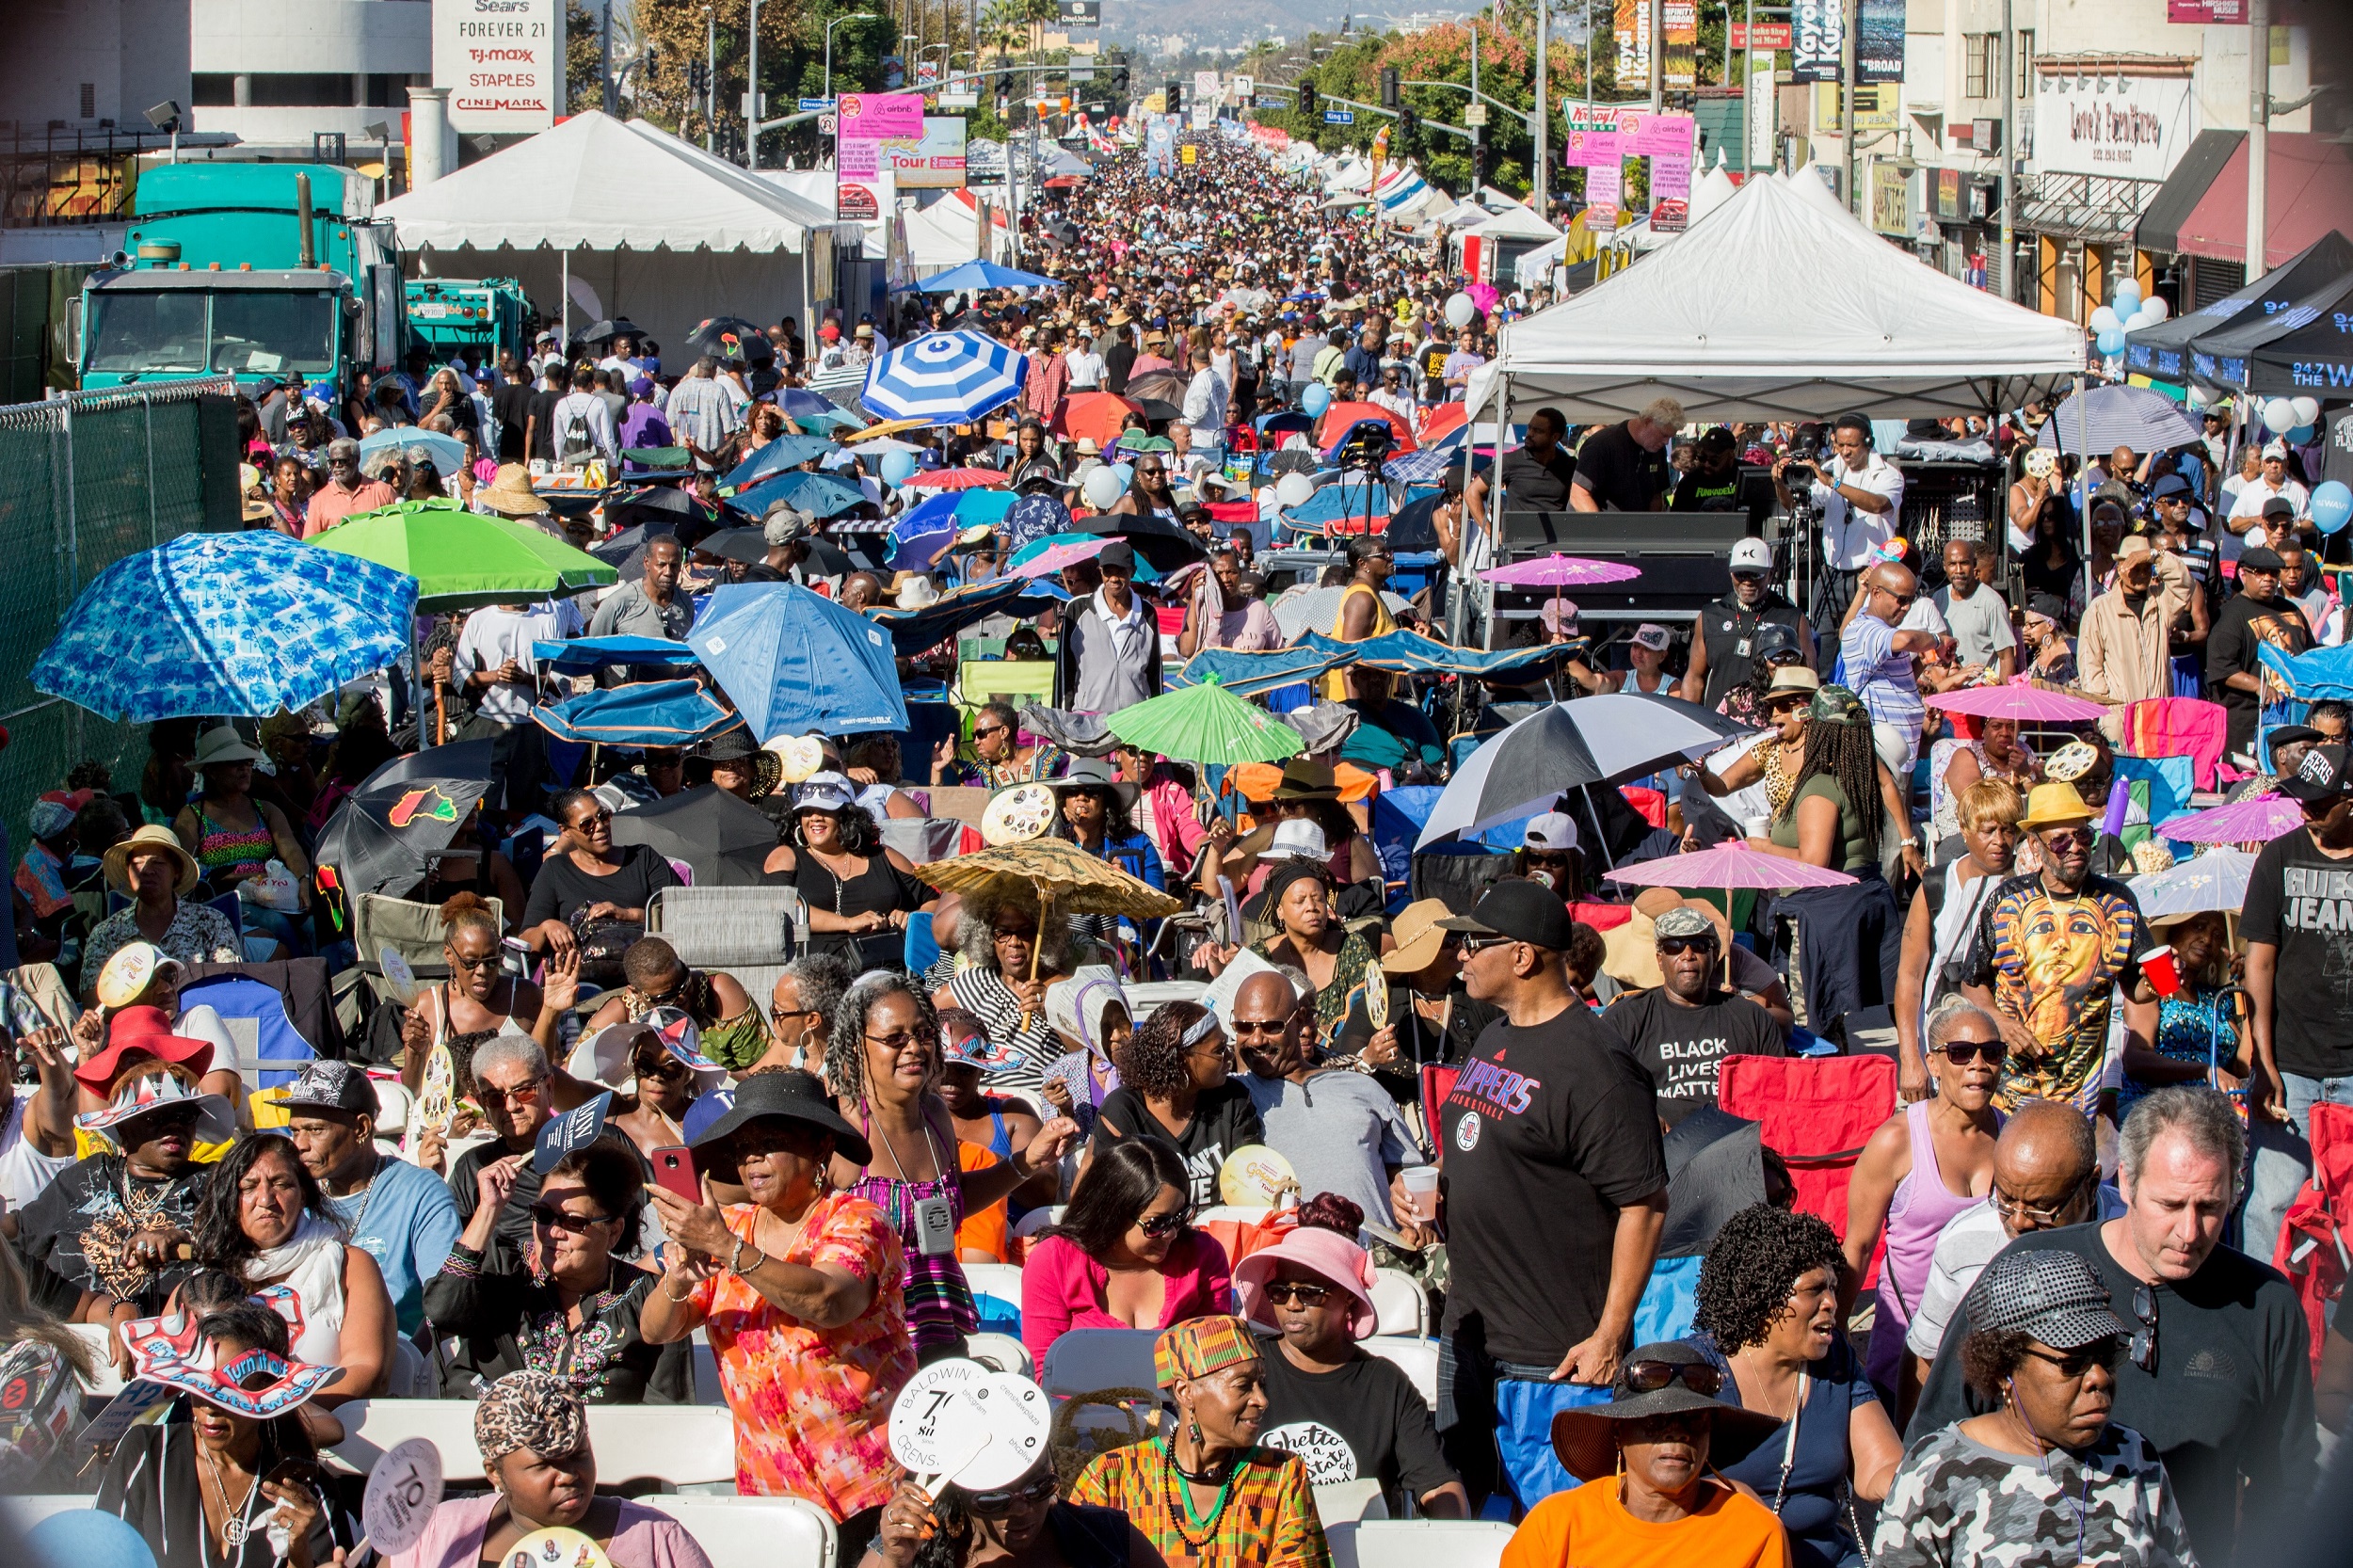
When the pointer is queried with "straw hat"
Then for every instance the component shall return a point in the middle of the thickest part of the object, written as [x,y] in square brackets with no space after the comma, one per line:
[2055,806]
[152,838]
[509,493]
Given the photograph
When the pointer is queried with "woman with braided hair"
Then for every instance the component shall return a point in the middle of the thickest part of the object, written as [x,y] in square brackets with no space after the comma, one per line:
[1850,939]
[1767,1318]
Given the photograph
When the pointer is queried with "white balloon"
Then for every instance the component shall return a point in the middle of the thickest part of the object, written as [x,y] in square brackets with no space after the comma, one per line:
[2280,416]
[1295,489]
[2125,289]
[1459,311]
[1103,490]
[2157,302]
[2142,319]
[2105,319]
[2306,410]
[2196,398]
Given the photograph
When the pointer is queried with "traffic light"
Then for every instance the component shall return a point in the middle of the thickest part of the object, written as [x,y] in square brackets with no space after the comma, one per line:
[1388,87]
[1174,96]
[1406,123]
[1119,84]
[1307,99]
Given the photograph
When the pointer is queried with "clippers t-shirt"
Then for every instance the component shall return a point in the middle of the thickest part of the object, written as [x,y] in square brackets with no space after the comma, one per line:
[1549,1131]
[2301,902]
[1682,1047]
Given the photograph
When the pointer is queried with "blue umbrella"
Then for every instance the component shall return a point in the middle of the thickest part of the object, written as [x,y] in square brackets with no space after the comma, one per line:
[922,533]
[799,404]
[822,494]
[785,451]
[581,655]
[795,661]
[974,276]
[945,378]
[648,713]
[449,453]
[240,624]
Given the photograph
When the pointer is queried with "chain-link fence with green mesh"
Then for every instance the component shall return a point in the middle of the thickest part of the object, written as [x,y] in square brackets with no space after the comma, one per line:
[87,478]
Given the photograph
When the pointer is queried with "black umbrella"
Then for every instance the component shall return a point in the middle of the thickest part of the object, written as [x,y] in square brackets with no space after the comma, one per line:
[669,509]
[1167,386]
[612,327]
[726,840]
[748,545]
[730,338]
[382,839]
[1715,1169]
[1165,544]
[1156,410]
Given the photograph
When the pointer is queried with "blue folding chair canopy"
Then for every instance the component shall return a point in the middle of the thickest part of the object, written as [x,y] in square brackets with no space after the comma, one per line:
[1256,673]
[651,713]
[794,662]
[914,631]
[1404,652]
[1350,496]
[785,451]
[2320,676]
[584,655]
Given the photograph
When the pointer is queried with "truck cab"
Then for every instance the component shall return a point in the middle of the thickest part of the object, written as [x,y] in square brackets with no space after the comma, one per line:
[267,272]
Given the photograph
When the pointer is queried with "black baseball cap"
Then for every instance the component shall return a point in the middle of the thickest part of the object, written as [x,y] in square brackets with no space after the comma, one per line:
[2321,775]
[2279,506]
[1117,556]
[2262,558]
[1521,910]
[331,1085]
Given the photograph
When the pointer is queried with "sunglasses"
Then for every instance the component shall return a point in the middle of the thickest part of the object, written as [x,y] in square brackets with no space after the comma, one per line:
[555,1219]
[1903,601]
[1961,1052]
[1271,1028]
[992,730]
[1788,700]
[996,1505]
[2014,1212]
[1297,1292]
[1675,947]
[459,960]
[491,1093]
[2144,1343]
[1480,944]
[2077,1363]
[1165,1224]
[2058,836]
[594,819]
[1649,1377]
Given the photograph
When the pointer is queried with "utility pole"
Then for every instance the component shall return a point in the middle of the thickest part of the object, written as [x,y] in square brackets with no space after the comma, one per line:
[1658,54]
[1478,132]
[1540,183]
[1846,51]
[711,72]
[2258,131]
[1748,88]
[751,95]
[2006,265]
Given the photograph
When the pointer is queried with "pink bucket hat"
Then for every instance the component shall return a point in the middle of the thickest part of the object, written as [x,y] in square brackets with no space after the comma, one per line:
[1329,1254]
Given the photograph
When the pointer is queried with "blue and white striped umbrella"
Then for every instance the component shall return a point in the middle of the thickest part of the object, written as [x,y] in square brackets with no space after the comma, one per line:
[945,378]
[240,624]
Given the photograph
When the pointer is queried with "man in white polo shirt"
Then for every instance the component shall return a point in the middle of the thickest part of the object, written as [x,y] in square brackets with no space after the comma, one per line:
[1859,498]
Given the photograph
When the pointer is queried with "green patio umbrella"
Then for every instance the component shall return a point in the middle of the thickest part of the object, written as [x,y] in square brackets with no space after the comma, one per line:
[1205,723]
[463,560]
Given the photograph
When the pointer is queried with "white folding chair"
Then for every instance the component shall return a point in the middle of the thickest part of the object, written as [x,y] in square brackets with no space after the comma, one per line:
[1420,1543]
[1086,1359]
[680,1445]
[1342,1507]
[1000,1351]
[103,1383]
[1398,1303]
[1000,1280]
[21,1511]
[1419,1357]
[755,1533]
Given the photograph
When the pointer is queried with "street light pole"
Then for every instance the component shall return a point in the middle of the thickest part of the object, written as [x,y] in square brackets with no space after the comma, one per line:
[2258,131]
[751,95]
[1540,181]
[850,16]
[2006,265]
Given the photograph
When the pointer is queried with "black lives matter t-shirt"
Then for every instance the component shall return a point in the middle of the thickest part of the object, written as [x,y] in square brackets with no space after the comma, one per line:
[1364,1421]
[2301,902]
[1549,1131]
[1682,1047]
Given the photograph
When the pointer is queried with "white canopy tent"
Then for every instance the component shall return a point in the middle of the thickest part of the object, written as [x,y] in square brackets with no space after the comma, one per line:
[627,216]
[1772,309]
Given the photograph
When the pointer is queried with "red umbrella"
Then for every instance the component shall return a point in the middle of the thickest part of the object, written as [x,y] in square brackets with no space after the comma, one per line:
[957,479]
[1096,414]
[1342,417]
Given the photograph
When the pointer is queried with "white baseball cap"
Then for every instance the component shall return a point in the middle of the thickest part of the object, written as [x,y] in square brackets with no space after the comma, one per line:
[1751,555]
[1652,636]
[1553,831]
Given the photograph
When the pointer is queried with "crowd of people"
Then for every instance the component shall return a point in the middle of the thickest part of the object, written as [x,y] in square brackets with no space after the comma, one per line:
[2038,1315]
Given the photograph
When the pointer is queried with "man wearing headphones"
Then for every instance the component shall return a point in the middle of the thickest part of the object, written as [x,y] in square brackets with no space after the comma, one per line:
[1859,498]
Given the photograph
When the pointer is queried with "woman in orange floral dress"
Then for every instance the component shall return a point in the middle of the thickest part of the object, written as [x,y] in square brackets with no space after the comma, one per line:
[803,1290]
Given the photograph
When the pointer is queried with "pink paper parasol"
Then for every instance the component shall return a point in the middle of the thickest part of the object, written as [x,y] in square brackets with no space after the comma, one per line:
[1731,867]
[2020,699]
[1054,557]
[955,479]
[1562,572]
[2259,819]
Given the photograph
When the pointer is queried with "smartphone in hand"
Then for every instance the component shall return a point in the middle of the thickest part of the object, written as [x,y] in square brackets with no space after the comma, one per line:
[674,1172]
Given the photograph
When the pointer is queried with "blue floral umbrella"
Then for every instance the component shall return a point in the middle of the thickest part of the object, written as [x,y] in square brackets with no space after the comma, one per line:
[827,495]
[945,378]
[236,624]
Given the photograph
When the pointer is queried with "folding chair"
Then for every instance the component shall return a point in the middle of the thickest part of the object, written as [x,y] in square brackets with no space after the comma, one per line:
[1416,1358]
[751,933]
[1419,1543]
[756,1532]
[1398,1303]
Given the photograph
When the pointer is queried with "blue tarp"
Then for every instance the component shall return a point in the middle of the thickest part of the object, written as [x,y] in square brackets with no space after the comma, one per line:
[2323,674]
[1411,653]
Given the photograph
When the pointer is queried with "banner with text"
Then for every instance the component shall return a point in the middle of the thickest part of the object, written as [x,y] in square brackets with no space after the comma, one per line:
[502,61]
[1667,141]
[1634,41]
[1821,27]
[1681,66]
[2084,126]
[863,122]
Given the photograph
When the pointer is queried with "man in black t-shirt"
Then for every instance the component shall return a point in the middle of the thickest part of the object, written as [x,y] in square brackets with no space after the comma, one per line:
[539,416]
[1623,468]
[2298,923]
[1536,477]
[1682,1029]
[1555,1190]
[2256,614]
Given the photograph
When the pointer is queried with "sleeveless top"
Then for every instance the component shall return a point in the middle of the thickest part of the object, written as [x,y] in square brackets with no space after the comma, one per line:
[1917,1216]
[1779,782]
[1728,630]
[879,889]
[940,1304]
[238,850]
[1335,683]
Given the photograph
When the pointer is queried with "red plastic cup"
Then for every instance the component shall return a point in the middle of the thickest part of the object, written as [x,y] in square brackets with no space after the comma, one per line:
[2164,973]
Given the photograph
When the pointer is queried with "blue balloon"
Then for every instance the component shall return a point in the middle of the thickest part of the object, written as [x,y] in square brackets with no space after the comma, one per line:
[2332,506]
[1127,472]
[1316,399]
[88,1538]
[2300,435]
[2110,342]
[898,466]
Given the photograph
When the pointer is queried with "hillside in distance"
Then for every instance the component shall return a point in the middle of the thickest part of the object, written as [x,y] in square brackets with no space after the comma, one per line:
[1230,24]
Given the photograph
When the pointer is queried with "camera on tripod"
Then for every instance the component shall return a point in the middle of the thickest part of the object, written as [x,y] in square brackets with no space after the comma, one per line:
[1368,444]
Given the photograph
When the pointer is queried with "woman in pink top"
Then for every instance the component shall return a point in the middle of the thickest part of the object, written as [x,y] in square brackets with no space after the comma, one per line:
[1126,1254]
[1925,1165]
